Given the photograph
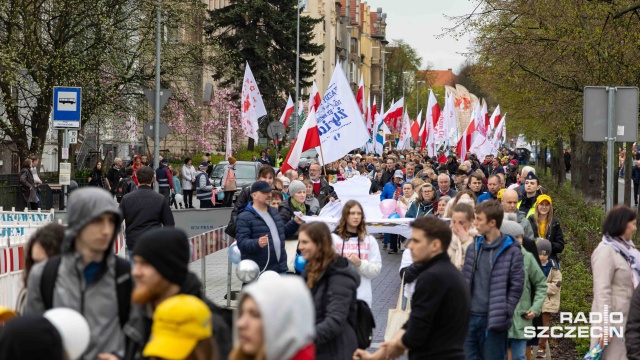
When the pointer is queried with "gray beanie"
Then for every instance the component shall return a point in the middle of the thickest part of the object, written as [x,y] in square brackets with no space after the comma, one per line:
[295,186]
[511,228]
[544,246]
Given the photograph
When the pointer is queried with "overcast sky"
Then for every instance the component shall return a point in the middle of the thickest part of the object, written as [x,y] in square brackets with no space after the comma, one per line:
[418,22]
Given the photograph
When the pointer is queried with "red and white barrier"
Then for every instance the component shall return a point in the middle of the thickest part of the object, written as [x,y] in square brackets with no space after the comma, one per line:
[12,256]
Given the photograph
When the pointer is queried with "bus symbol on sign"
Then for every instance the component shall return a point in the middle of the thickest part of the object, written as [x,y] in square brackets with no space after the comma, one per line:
[67,100]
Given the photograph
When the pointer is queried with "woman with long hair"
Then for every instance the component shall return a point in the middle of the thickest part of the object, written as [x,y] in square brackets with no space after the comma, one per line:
[28,185]
[424,203]
[43,244]
[275,321]
[98,177]
[333,281]
[616,273]
[351,240]
[545,225]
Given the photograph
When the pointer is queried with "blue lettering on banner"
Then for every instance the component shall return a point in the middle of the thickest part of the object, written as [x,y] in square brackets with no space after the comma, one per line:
[5,232]
[203,227]
[9,217]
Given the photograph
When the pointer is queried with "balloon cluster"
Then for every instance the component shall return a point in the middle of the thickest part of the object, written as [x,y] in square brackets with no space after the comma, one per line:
[388,209]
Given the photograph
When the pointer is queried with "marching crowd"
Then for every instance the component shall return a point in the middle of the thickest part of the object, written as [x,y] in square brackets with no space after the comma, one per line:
[483,263]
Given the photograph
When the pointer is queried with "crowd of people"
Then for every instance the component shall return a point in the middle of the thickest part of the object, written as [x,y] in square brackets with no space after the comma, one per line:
[483,233]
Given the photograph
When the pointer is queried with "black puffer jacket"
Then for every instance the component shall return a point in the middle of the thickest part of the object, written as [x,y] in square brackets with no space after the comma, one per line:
[287,211]
[138,329]
[554,235]
[334,297]
[241,201]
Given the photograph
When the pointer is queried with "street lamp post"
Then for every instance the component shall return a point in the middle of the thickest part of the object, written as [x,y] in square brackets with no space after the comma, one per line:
[295,105]
[156,126]
[418,97]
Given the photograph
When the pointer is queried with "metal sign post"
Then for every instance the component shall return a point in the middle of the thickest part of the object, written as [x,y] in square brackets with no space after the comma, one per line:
[621,107]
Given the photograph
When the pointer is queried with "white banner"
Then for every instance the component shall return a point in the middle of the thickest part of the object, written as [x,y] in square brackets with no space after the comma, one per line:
[339,120]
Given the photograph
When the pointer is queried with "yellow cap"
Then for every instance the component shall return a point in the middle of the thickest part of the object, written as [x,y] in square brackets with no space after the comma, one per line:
[178,324]
[542,198]
[500,193]
[6,314]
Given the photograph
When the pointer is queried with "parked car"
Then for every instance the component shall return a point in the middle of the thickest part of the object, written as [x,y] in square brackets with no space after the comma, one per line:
[246,174]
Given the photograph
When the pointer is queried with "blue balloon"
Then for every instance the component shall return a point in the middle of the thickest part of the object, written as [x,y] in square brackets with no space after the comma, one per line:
[299,263]
[234,253]
[394,216]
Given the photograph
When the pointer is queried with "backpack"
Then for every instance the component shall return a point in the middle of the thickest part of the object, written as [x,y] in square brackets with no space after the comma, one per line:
[124,285]
[124,187]
[365,323]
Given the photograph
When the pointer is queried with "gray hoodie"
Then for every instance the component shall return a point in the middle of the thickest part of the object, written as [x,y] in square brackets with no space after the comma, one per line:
[98,301]
[288,314]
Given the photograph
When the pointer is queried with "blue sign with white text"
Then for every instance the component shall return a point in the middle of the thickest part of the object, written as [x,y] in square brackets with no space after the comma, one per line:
[67,104]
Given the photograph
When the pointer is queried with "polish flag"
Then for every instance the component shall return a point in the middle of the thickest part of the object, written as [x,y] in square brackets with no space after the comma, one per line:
[360,95]
[464,144]
[252,106]
[308,138]
[495,118]
[433,114]
[394,113]
[288,110]
[371,114]
[314,99]
[415,127]
[485,115]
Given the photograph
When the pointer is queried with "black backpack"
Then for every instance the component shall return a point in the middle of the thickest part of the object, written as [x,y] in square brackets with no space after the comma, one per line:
[124,285]
[123,188]
[365,323]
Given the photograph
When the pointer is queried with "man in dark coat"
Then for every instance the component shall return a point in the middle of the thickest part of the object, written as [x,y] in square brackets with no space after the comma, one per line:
[266,173]
[635,177]
[494,268]
[116,172]
[437,326]
[260,231]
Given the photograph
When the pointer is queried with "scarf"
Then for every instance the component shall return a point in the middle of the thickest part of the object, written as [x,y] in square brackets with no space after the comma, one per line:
[629,252]
[298,206]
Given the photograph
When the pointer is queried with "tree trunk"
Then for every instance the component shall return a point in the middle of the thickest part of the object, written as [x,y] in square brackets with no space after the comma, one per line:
[587,168]
[557,162]
[628,163]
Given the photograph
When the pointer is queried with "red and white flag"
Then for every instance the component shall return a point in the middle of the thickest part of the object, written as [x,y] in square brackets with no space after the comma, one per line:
[288,110]
[485,115]
[405,133]
[252,106]
[415,127]
[314,98]
[394,113]
[360,95]
[433,115]
[369,114]
[308,138]
[495,118]
[464,144]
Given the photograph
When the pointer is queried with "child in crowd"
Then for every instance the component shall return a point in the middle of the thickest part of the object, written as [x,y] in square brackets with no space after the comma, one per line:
[312,201]
[551,304]
[276,198]
[177,199]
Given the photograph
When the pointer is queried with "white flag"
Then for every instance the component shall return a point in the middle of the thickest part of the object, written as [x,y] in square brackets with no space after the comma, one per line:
[405,133]
[252,106]
[451,118]
[339,120]
[228,150]
[381,134]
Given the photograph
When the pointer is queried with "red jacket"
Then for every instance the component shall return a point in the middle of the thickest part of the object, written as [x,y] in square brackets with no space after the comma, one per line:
[307,353]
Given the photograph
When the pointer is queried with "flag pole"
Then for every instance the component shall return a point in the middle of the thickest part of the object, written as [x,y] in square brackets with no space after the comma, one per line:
[324,165]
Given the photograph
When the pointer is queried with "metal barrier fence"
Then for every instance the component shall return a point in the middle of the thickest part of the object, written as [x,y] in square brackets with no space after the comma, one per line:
[12,253]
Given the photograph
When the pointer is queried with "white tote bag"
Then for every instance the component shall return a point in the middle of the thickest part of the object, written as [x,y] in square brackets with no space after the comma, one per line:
[397,317]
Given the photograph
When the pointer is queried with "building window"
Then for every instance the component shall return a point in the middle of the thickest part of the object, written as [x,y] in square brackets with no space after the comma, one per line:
[304,3]
[358,12]
[352,72]
[355,48]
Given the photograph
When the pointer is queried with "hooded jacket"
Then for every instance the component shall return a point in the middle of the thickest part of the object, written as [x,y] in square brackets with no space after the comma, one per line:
[334,298]
[535,287]
[96,301]
[419,209]
[506,280]
[288,315]
[138,330]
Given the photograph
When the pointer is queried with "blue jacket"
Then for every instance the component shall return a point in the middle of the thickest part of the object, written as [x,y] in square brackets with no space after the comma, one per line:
[484,197]
[507,281]
[250,227]
[388,191]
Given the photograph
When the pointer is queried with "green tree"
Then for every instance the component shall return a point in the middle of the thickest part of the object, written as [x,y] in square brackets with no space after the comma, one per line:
[262,33]
[401,58]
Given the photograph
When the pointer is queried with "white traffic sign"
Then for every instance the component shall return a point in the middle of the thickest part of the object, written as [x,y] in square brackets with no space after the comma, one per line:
[73,136]
[67,106]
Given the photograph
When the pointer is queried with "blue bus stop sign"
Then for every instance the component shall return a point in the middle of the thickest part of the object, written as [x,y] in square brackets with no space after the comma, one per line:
[67,105]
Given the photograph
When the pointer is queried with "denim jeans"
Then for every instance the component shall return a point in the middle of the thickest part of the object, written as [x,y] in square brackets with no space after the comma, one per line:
[483,344]
[518,349]
[386,239]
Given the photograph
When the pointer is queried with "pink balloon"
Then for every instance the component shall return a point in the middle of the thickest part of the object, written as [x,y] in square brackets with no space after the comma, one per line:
[388,206]
[401,211]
